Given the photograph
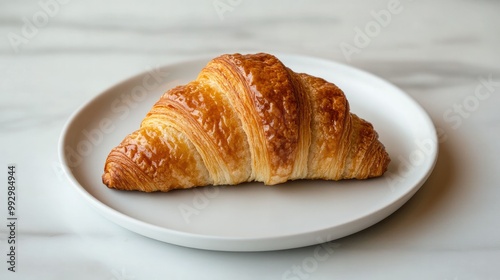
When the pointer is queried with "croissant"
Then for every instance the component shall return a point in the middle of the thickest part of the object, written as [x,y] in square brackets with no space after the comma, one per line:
[246,118]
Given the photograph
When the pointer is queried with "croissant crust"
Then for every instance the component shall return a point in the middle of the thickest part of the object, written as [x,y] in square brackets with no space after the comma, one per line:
[246,118]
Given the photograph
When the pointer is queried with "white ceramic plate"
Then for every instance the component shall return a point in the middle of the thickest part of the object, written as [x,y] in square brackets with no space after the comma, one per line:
[251,217]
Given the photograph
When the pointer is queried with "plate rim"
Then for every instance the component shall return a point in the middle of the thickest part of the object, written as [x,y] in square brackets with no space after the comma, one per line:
[239,244]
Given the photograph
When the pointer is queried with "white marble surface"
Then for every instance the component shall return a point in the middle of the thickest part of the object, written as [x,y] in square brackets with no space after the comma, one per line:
[55,56]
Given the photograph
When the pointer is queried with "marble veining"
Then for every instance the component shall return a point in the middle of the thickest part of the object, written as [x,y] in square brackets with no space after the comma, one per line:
[55,55]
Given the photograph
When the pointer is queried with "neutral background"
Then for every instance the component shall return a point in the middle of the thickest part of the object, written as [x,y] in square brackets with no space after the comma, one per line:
[55,56]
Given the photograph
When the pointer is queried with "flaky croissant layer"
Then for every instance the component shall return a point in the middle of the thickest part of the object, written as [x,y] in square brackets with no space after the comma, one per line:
[246,118]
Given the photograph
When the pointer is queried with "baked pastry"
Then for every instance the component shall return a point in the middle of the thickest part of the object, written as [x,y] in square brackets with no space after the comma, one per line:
[246,118]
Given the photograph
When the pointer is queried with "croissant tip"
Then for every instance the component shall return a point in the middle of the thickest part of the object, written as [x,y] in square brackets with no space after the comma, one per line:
[386,160]
[106,179]
[386,165]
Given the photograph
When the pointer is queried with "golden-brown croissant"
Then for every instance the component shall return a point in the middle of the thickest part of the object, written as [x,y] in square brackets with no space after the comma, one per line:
[246,118]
